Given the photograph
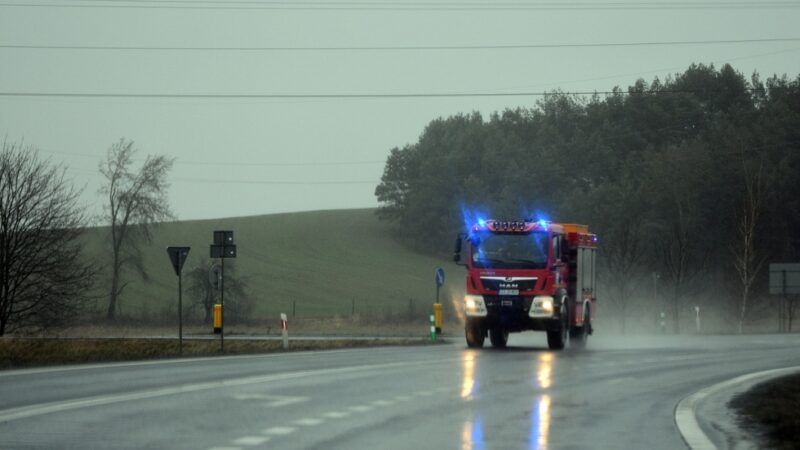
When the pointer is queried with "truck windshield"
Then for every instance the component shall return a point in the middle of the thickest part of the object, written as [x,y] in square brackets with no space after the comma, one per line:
[511,251]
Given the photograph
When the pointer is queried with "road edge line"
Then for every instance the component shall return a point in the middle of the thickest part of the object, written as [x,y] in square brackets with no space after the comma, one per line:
[686,419]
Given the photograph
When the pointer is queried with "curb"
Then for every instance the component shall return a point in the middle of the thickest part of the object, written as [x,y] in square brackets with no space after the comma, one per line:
[685,412]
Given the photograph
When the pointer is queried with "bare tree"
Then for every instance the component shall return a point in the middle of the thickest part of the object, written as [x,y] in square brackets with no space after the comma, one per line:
[746,260]
[623,240]
[136,200]
[204,294]
[682,255]
[43,279]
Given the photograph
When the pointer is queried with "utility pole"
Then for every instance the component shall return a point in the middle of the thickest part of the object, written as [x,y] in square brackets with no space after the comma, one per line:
[223,247]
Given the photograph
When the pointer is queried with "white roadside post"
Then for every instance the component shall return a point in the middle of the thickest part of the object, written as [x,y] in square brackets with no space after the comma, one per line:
[433,328]
[285,331]
[697,318]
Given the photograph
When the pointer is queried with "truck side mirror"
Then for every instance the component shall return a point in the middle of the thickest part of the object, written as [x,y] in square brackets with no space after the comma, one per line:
[457,250]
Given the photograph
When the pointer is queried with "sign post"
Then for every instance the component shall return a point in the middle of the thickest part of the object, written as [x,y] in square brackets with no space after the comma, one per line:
[784,280]
[437,307]
[177,255]
[223,247]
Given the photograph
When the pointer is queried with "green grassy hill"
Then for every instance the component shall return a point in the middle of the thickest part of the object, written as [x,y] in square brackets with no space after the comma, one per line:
[321,260]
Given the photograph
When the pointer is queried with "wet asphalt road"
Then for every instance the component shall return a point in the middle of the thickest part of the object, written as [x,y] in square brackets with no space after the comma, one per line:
[618,393]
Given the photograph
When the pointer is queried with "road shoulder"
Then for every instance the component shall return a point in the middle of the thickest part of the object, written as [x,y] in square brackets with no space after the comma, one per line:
[706,422]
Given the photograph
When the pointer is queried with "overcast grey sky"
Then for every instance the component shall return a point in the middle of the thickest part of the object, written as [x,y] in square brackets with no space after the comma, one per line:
[248,156]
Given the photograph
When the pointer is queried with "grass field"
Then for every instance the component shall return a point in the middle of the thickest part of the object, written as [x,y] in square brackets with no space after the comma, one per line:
[321,264]
[772,409]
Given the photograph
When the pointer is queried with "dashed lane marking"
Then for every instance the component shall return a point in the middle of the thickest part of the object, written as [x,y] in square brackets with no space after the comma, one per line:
[336,414]
[225,448]
[402,398]
[361,408]
[251,440]
[308,422]
[383,402]
[274,401]
[280,431]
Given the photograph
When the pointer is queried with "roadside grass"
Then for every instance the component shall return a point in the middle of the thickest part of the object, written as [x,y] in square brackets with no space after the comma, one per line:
[772,409]
[307,264]
[18,353]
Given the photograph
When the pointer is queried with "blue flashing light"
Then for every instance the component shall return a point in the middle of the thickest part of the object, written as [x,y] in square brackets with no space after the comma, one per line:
[472,217]
[543,223]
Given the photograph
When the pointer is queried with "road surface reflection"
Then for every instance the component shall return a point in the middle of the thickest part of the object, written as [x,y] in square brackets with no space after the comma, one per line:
[540,415]
[472,433]
[468,384]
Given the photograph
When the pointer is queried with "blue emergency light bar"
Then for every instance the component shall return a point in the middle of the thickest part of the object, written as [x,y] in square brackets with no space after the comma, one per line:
[513,226]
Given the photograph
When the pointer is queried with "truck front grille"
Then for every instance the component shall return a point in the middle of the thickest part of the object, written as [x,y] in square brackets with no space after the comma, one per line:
[495,285]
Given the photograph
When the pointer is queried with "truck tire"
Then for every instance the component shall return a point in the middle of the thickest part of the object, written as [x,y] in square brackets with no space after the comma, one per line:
[474,334]
[499,337]
[579,336]
[557,339]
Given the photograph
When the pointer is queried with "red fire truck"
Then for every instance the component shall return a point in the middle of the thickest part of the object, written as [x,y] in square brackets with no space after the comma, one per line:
[529,275]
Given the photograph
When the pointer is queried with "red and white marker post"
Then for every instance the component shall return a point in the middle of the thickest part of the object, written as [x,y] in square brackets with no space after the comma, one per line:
[285,331]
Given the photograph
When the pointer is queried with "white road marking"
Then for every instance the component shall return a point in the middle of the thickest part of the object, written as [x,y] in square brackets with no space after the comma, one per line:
[336,414]
[46,408]
[685,417]
[251,440]
[280,431]
[225,448]
[361,408]
[402,398]
[70,368]
[383,402]
[308,422]
[275,400]
[425,393]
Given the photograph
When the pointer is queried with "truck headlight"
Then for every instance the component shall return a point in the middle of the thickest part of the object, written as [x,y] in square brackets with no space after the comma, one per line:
[474,305]
[541,306]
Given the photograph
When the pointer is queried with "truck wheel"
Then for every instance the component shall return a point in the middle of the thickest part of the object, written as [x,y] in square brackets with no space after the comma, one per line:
[474,334]
[579,336]
[498,336]
[557,339]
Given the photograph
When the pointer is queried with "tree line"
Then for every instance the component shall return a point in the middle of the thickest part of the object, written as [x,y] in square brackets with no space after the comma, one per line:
[691,184]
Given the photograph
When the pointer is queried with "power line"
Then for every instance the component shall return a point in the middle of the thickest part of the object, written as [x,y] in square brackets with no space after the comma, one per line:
[332,96]
[282,183]
[405,6]
[289,164]
[179,161]
[245,182]
[398,48]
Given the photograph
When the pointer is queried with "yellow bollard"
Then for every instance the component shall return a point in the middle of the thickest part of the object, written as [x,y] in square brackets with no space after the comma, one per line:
[437,314]
[217,318]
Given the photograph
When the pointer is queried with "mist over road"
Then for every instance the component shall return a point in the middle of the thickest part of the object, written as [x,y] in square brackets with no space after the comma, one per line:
[619,393]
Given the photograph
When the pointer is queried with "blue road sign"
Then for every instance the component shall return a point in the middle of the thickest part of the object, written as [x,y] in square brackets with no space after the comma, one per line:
[439,277]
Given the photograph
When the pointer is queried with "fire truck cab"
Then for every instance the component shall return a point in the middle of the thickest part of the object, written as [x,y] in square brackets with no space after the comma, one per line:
[528,275]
